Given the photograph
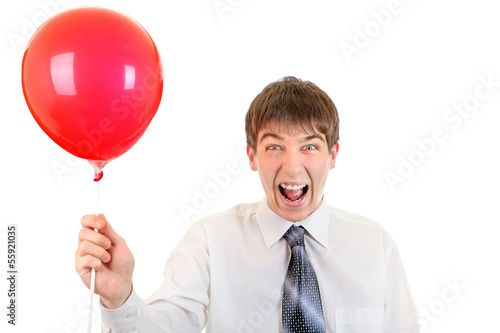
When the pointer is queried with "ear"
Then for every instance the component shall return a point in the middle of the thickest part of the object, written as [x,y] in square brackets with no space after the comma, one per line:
[251,158]
[333,156]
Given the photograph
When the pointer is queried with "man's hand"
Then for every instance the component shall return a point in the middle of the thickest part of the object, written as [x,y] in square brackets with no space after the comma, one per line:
[109,255]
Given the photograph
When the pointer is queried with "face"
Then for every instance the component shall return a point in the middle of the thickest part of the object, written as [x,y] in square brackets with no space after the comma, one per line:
[293,167]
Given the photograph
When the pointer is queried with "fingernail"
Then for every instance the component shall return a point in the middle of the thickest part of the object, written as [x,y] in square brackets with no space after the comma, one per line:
[98,224]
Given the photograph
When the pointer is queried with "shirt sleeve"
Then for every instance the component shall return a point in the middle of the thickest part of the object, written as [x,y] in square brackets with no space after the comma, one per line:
[181,303]
[125,318]
[400,308]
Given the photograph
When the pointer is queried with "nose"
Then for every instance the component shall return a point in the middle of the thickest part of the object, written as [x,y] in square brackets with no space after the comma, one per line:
[292,164]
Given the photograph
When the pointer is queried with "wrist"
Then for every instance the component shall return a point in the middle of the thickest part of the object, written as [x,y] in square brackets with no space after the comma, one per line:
[116,302]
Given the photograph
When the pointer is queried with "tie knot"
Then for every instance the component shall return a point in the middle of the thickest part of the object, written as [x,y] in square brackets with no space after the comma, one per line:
[295,236]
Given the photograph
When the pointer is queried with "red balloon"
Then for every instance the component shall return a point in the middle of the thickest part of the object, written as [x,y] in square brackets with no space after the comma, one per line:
[92,79]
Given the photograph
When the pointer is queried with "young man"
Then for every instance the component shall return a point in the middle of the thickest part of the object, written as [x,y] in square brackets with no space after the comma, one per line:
[290,263]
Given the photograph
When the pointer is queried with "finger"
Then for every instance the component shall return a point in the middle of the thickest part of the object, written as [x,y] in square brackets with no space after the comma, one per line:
[92,222]
[101,223]
[108,231]
[88,248]
[94,237]
[85,264]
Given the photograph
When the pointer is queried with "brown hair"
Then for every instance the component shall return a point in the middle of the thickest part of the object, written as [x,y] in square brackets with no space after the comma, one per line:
[293,102]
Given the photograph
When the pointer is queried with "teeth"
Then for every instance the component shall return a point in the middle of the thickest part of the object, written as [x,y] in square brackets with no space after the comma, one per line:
[292,187]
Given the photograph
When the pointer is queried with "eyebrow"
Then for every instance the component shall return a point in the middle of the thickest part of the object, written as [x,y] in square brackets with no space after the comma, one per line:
[272,135]
[280,138]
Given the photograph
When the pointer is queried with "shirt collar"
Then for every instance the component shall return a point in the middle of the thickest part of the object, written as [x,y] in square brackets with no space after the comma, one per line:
[273,226]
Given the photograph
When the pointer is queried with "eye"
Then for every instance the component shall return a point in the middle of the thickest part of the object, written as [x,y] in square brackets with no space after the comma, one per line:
[273,147]
[310,147]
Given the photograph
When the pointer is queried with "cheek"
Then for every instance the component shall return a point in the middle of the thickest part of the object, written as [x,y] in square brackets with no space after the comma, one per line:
[267,172]
[319,174]
[270,174]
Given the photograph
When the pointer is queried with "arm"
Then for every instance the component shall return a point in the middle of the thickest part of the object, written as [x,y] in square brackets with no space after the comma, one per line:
[178,306]
[400,309]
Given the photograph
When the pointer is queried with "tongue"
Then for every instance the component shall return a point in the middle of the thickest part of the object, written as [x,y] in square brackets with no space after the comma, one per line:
[293,194]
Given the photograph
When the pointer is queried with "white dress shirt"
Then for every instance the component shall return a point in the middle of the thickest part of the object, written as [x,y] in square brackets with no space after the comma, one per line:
[227,274]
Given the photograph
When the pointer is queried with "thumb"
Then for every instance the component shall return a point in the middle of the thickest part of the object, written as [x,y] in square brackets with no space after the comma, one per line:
[108,231]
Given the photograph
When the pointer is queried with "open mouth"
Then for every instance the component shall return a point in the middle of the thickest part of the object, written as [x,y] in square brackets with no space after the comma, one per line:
[293,193]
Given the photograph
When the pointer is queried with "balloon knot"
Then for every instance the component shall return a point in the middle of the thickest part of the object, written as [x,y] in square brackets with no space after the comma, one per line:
[98,177]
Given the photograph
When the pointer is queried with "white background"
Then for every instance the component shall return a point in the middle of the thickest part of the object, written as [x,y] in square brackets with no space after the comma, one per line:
[424,59]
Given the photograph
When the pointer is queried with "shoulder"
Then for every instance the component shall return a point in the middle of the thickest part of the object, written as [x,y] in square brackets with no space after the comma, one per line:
[216,229]
[233,215]
[338,215]
[358,225]
[239,211]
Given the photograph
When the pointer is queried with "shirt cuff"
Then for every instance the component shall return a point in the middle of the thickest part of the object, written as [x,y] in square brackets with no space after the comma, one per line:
[123,319]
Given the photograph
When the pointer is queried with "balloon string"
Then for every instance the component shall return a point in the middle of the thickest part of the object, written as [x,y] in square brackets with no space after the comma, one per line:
[92,274]
[98,196]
